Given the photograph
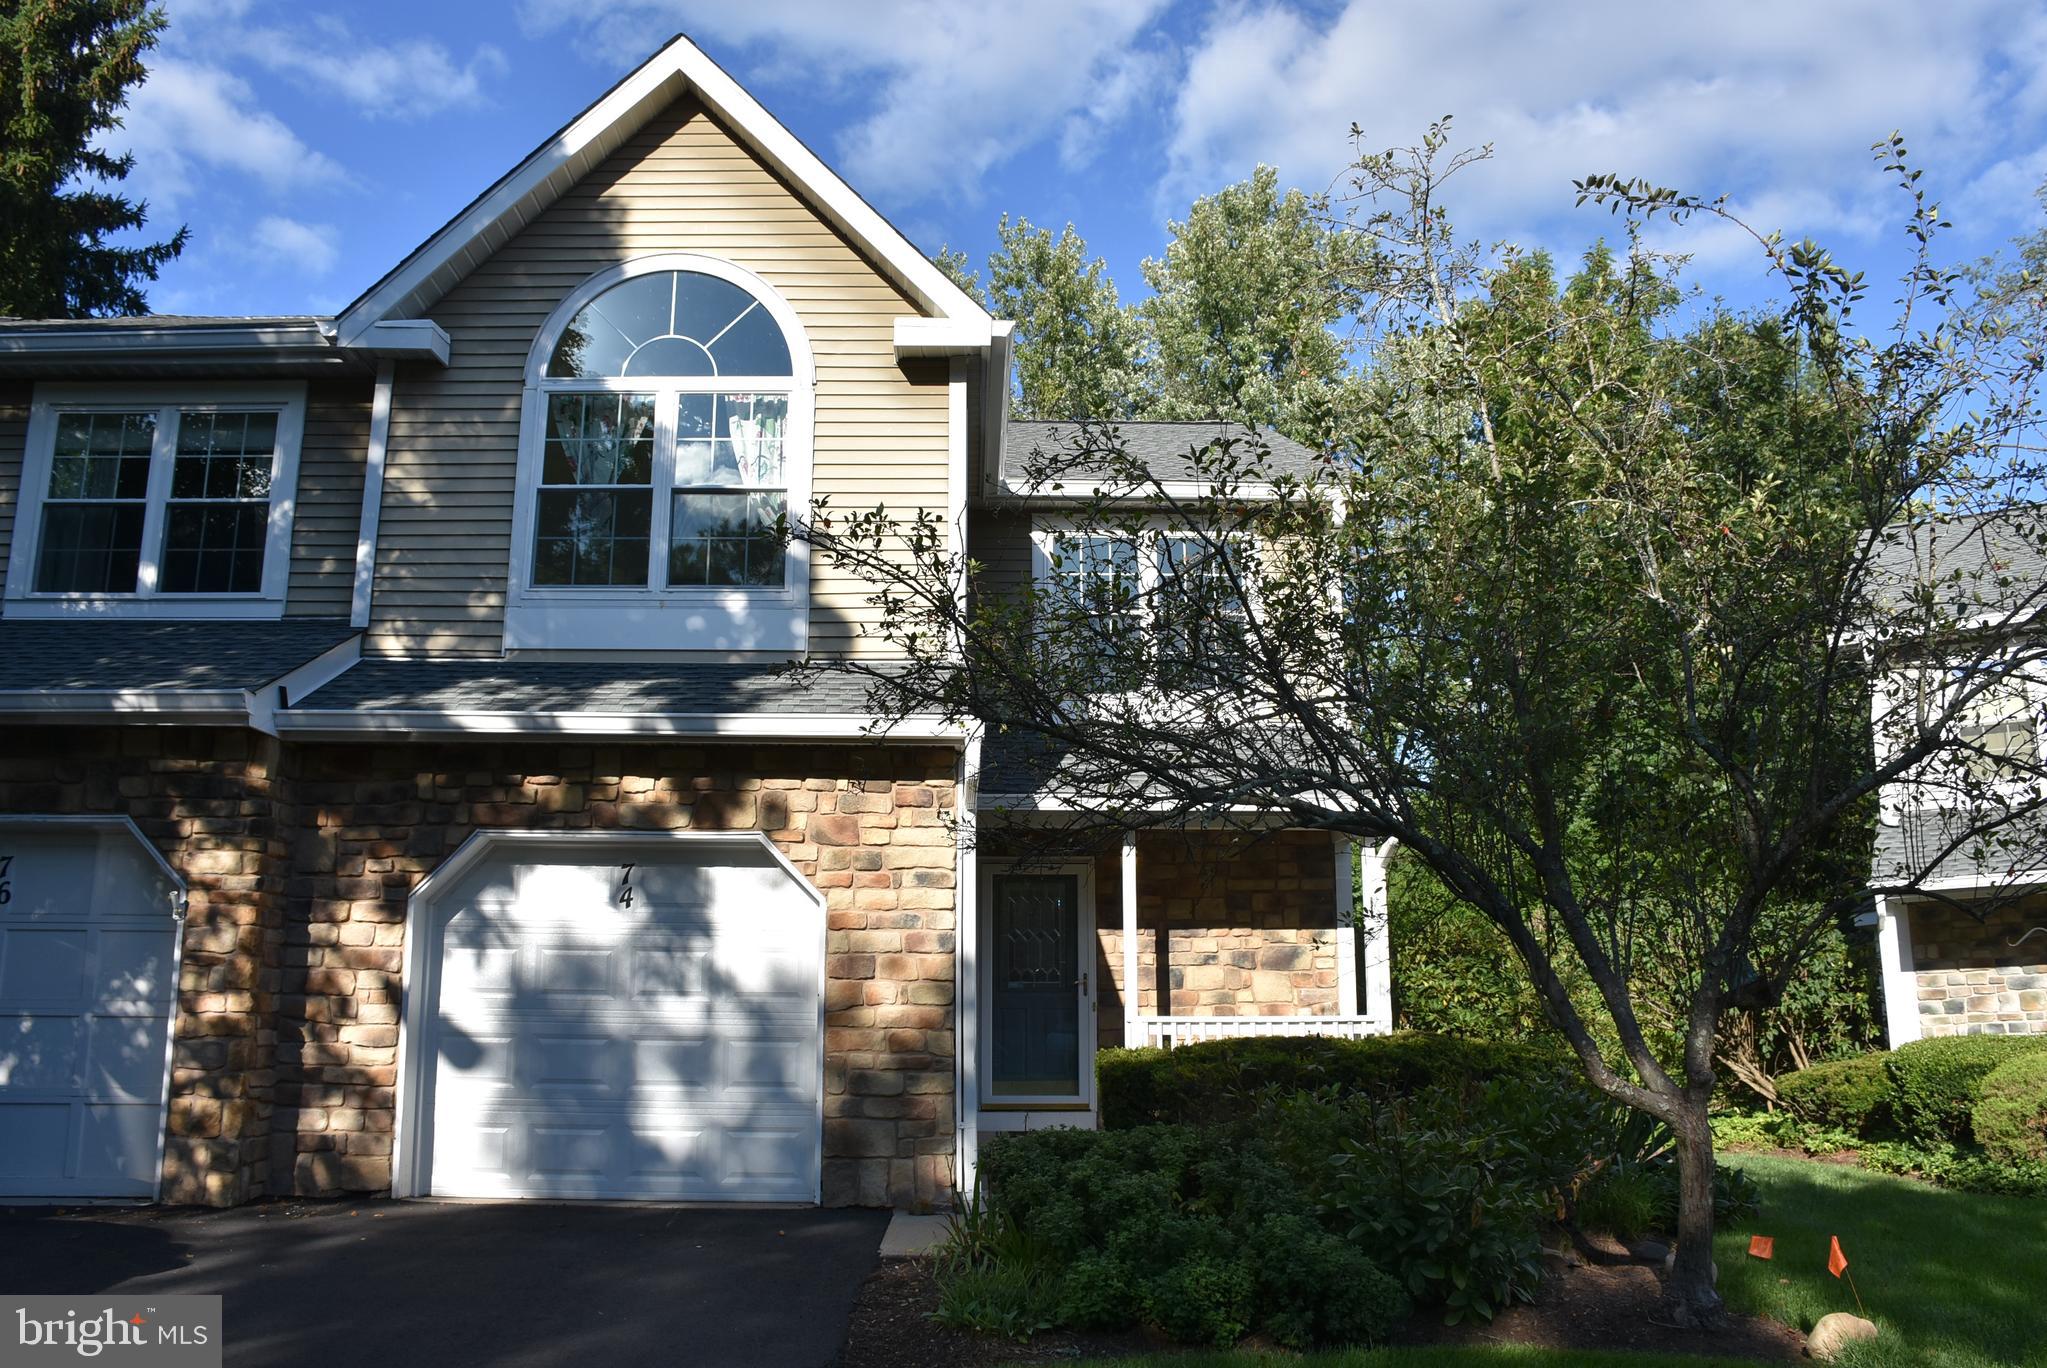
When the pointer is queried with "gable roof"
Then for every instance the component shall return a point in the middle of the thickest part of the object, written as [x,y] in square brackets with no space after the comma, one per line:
[677,69]
[1166,448]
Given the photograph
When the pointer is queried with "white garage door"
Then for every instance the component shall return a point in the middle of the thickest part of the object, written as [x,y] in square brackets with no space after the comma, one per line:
[88,980]
[624,1020]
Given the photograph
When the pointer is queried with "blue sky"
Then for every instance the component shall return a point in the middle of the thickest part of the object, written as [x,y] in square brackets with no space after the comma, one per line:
[310,144]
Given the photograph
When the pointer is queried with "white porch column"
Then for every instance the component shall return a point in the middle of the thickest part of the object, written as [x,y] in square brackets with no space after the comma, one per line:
[1131,1034]
[1346,930]
[966,975]
[1377,969]
[1901,984]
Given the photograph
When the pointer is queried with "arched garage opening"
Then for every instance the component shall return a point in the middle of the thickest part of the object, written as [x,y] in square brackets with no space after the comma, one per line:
[628,1015]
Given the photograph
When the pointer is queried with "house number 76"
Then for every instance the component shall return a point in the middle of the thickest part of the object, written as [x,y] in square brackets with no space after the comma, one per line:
[6,891]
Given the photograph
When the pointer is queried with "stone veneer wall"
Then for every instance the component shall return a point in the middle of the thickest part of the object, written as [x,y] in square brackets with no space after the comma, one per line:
[866,824]
[300,860]
[211,800]
[1228,925]
[1971,980]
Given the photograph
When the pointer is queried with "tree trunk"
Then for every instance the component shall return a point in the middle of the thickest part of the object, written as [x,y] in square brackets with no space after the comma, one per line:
[1689,1296]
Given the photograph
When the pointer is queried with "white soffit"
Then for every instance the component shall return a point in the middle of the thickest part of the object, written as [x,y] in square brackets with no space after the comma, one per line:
[680,67]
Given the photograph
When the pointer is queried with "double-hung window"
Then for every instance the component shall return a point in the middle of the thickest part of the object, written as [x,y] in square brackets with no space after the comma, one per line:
[156,500]
[1117,595]
[667,454]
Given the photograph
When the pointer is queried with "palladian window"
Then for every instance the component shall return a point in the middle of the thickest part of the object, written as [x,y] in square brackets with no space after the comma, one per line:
[665,451]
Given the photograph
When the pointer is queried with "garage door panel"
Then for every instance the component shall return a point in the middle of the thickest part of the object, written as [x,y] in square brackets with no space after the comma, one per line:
[587,1044]
[117,1138]
[44,964]
[124,1056]
[134,972]
[34,1145]
[44,1054]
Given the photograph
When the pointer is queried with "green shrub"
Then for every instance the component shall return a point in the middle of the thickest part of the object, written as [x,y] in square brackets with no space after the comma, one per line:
[1625,1200]
[1960,1169]
[1451,1187]
[1848,1094]
[1934,1082]
[1202,1234]
[2010,1116]
[1213,1082]
[992,1277]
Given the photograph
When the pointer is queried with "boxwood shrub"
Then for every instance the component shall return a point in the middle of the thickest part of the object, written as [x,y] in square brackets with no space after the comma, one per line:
[1212,1083]
[1935,1082]
[2010,1116]
[1201,1235]
[1846,1094]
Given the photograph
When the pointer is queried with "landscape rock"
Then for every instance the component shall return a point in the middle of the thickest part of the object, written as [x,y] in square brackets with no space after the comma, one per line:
[1670,1266]
[1836,1331]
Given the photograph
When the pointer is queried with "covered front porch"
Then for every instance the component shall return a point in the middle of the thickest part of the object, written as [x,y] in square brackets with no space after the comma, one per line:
[1153,938]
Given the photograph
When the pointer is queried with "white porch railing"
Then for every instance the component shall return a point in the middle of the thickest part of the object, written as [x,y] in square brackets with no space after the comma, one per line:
[1170,1031]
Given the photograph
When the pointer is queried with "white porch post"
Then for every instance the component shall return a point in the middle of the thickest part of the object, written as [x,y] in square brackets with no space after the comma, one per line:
[1377,969]
[1901,984]
[1346,931]
[966,974]
[1131,1035]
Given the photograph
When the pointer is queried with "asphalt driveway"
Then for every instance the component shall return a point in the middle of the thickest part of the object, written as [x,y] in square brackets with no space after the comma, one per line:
[394,1284]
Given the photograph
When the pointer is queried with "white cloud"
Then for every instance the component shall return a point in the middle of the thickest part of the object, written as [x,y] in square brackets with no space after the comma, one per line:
[947,90]
[189,118]
[280,243]
[1774,104]
[407,78]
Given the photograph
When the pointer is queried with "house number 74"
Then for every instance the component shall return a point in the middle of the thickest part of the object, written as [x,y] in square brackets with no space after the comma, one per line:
[625,887]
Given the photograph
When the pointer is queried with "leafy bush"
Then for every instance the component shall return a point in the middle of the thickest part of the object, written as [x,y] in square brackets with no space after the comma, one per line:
[2010,1116]
[1851,1095]
[1956,1168]
[1624,1200]
[1212,1083]
[1934,1082]
[1452,1187]
[1203,1236]
[992,1277]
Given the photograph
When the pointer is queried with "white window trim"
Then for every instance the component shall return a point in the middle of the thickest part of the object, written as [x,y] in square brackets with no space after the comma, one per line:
[24,601]
[1910,794]
[1045,533]
[612,617]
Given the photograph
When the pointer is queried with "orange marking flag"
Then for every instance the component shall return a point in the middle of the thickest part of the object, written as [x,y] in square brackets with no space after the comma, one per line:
[1837,1262]
[1761,1246]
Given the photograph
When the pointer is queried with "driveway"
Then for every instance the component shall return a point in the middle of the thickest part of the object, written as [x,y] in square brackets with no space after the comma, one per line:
[393,1284]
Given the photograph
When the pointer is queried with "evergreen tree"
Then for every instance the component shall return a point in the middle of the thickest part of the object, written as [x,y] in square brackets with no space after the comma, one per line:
[66,67]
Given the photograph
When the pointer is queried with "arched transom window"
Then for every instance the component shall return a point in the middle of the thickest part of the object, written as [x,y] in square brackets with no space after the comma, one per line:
[666,445]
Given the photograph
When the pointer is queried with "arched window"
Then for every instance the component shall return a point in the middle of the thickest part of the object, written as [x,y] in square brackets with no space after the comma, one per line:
[671,400]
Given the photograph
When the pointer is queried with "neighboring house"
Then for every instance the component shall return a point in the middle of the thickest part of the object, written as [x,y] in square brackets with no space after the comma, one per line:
[1966,953]
[398,789]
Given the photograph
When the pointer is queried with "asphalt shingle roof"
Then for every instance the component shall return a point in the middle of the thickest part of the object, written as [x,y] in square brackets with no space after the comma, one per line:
[102,654]
[1964,558]
[505,686]
[1164,447]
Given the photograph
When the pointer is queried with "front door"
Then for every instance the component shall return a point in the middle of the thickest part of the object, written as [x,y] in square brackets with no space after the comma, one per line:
[1040,961]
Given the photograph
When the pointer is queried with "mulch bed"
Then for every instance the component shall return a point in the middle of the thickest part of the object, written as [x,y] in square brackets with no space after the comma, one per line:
[1588,1306]
[1611,1306]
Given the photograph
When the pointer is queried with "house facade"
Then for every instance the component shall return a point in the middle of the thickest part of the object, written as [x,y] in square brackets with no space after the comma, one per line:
[399,787]
[1964,952]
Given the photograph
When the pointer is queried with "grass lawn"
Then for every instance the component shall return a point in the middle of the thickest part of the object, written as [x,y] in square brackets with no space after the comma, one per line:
[1953,1279]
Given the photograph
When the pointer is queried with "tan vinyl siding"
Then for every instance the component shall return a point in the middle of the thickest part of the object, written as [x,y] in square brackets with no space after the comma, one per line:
[682,184]
[329,502]
[14,402]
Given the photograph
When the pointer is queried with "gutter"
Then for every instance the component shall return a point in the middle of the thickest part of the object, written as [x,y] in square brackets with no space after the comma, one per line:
[360,723]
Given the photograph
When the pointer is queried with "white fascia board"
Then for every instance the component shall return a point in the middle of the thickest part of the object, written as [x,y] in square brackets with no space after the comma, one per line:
[747,726]
[405,339]
[942,336]
[169,337]
[150,705]
[995,406]
[541,178]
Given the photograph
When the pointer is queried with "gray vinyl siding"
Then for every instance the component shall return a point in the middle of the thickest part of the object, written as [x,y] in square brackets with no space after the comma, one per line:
[14,402]
[683,183]
[1001,542]
[328,509]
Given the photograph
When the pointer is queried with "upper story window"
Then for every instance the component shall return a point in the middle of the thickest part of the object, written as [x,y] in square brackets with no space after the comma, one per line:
[666,451]
[156,500]
[1179,593]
